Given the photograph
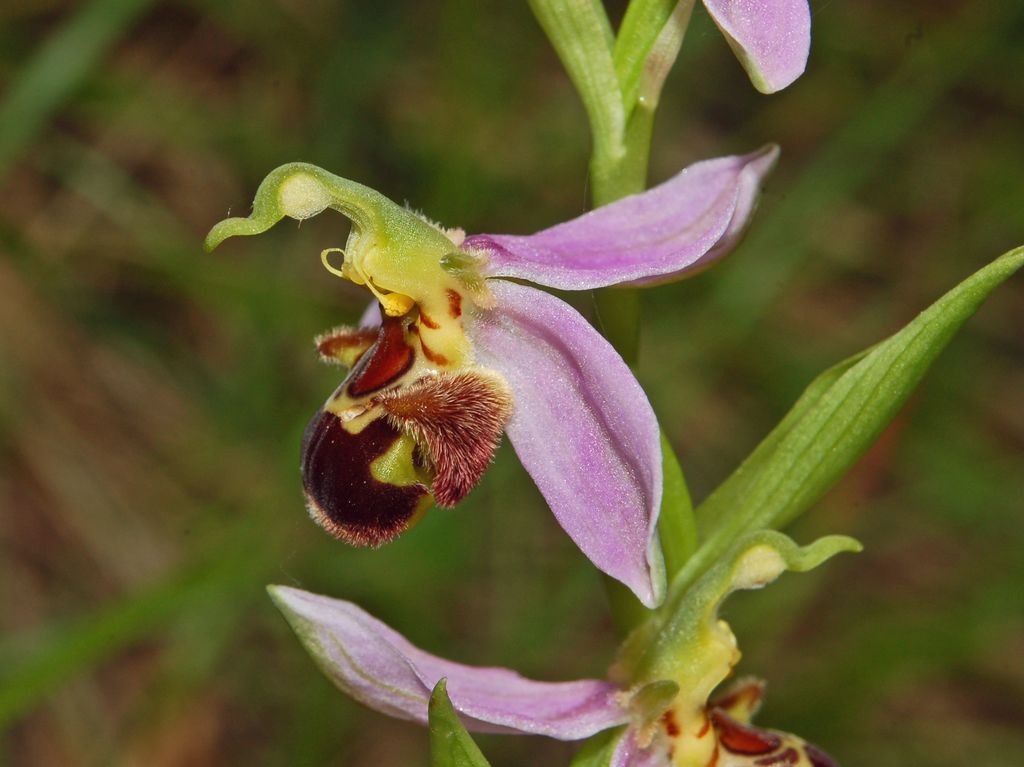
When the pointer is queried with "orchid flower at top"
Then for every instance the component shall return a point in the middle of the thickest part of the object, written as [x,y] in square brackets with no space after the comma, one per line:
[460,353]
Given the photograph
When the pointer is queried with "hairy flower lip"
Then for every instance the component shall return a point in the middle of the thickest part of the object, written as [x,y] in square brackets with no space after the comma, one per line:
[458,418]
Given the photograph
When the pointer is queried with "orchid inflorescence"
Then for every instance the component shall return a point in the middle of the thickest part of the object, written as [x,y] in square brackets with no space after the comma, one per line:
[454,350]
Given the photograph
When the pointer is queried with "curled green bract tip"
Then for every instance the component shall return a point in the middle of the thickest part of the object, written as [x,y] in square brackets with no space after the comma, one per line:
[691,626]
[300,191]
[390,249]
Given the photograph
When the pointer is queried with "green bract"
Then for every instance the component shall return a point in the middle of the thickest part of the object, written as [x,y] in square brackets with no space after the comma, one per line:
[689,634]
[836,420]
[450,744]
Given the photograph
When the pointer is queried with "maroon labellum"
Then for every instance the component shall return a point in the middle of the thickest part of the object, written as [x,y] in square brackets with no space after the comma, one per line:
[342,493]
[396,433]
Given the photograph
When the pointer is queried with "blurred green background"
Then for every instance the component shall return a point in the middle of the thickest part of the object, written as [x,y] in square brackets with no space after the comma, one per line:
[152,397]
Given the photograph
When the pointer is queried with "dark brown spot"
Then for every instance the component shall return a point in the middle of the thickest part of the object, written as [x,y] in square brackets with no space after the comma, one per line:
[342,494]
[668,720]
[458,417]
[385,362]
[427,321]
[742,738]
[789,756]
[454,303]
[819,758]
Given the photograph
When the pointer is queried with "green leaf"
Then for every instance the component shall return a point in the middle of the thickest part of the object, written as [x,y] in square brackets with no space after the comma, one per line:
[598,750]
[677,526]
[450,744]
[836,420]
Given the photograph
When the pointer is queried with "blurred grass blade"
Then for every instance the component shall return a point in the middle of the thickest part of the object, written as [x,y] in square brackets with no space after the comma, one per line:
[28,676]
[835,421]
[450,744]
[66,59]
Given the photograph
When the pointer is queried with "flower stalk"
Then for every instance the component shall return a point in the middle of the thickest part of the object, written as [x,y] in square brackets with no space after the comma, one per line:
[619,79]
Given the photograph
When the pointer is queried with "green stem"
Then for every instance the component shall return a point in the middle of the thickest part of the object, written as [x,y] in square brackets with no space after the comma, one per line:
[619,81]
[619,310]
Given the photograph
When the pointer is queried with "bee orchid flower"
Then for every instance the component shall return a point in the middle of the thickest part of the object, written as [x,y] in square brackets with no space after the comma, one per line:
[661,699]
[461,352]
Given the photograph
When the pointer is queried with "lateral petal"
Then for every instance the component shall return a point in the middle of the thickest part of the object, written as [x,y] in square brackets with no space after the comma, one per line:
[380,668]
[678,227]
[583,429]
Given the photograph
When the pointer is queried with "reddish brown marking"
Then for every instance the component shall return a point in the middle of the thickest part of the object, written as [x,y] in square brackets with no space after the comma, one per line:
[340,339]
[342,494]
[789,756]
[741,738]
[704,728]
[714,758]
[454,303]
[425,319]
[668,719]
[435,357]
[459,418]
[746,695]
[819,758]
[386,361]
